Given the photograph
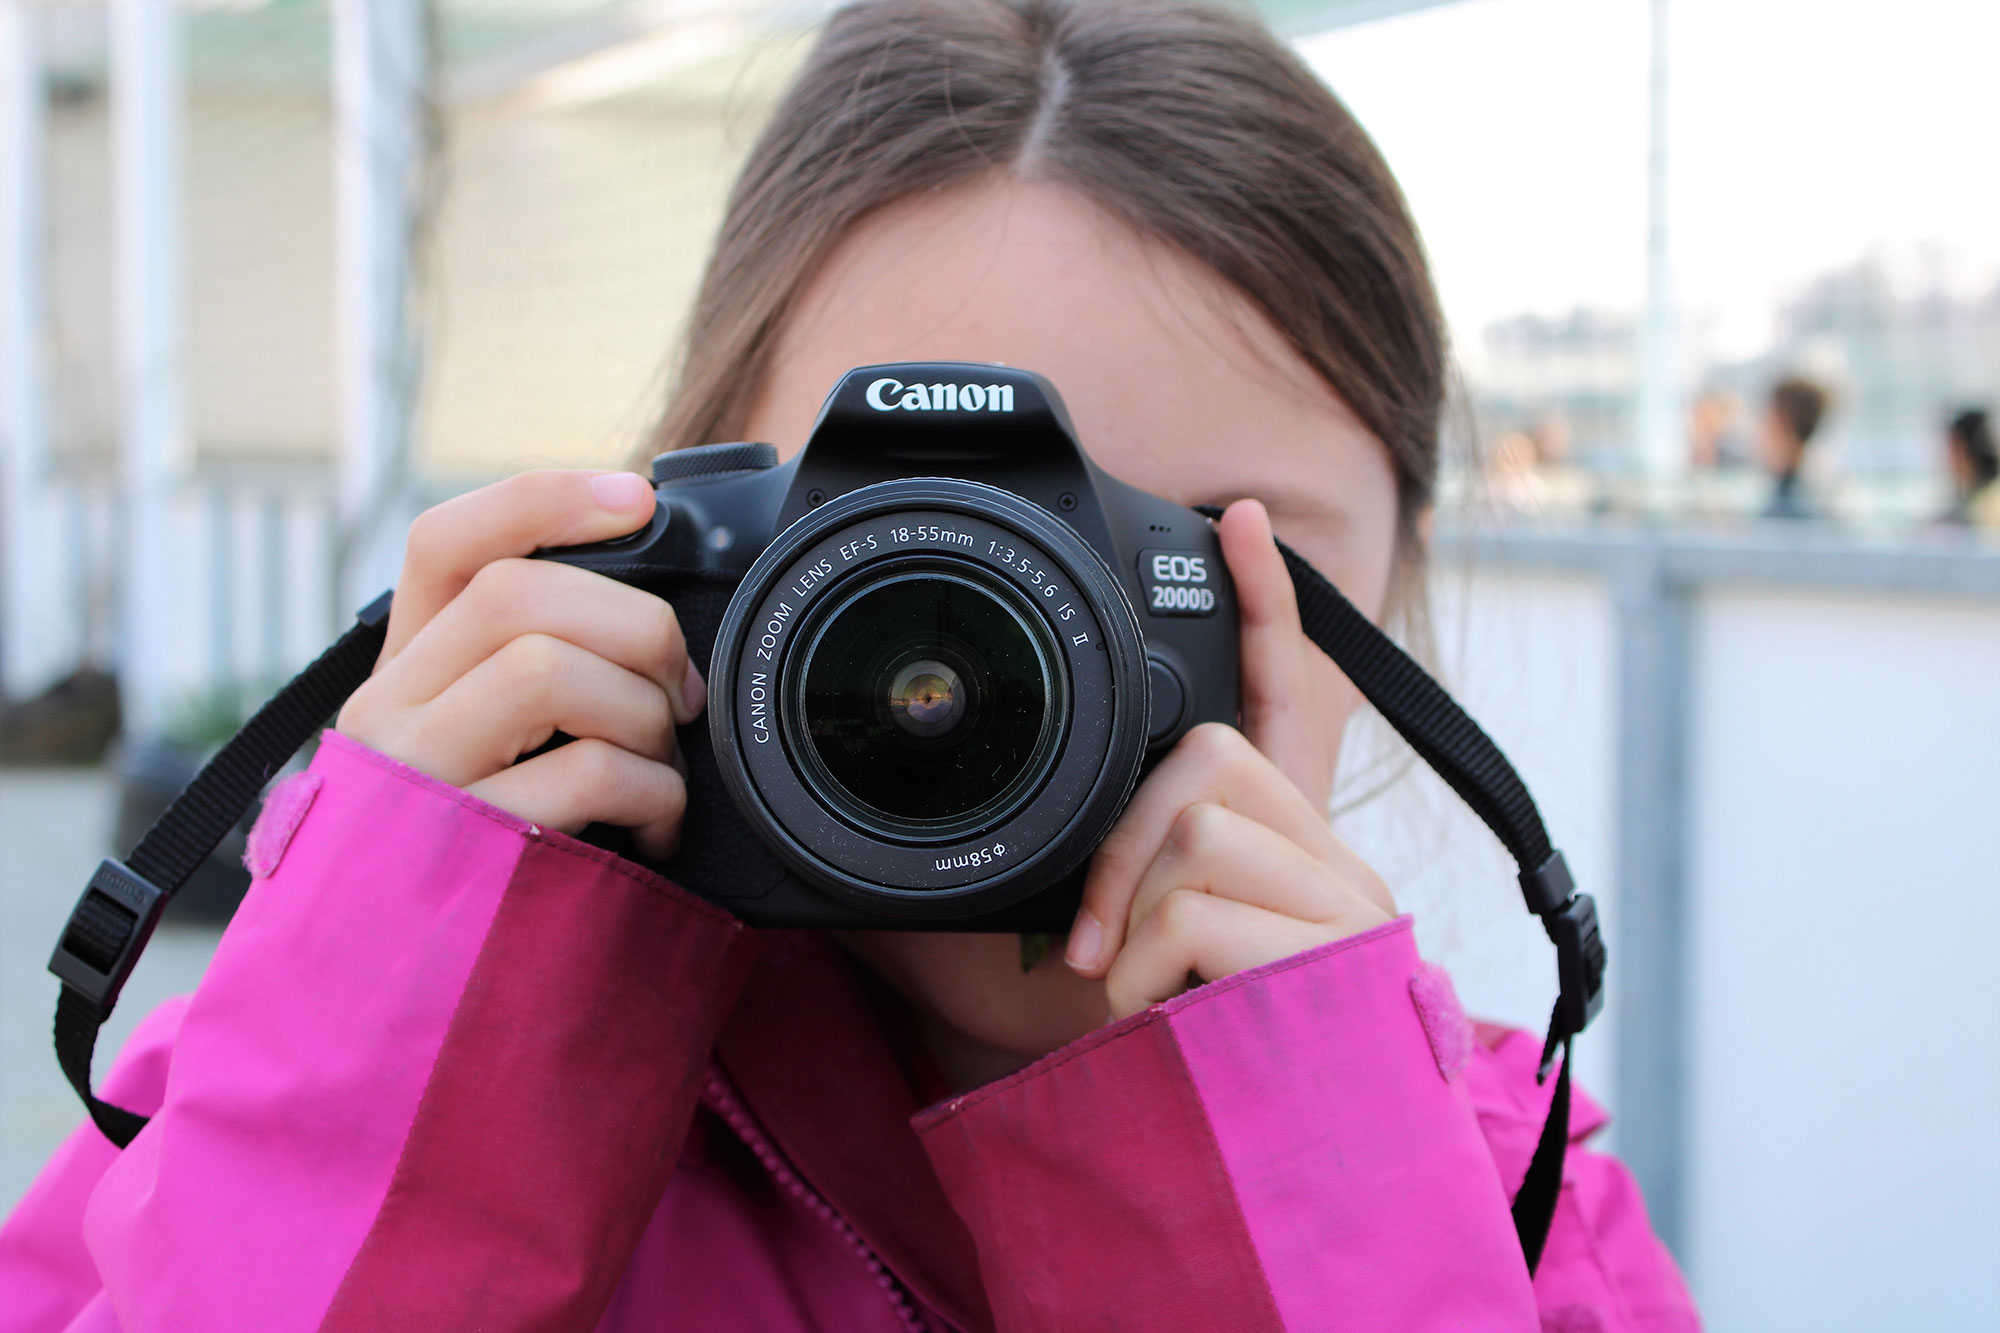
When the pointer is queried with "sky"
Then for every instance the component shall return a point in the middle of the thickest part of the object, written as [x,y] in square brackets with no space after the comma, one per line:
[1804,134]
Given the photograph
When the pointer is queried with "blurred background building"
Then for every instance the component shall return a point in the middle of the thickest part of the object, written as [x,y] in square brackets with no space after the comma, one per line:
[276,274]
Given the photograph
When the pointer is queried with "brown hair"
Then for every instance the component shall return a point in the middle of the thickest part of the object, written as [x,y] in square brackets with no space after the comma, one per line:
[1191,124]
[1800,404]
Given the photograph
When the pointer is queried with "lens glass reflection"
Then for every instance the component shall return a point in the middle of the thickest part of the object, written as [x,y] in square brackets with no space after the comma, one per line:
[929,702]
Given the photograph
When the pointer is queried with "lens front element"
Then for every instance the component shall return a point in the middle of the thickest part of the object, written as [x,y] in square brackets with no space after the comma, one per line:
[931,700]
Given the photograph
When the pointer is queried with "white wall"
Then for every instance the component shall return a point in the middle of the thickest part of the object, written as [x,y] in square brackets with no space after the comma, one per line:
[1845,995]
[1842,1154]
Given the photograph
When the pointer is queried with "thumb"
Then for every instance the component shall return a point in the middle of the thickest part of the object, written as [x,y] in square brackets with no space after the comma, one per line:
[1278,710]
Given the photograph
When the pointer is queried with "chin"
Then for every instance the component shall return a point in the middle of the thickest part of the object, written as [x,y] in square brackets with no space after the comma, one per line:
[975,985]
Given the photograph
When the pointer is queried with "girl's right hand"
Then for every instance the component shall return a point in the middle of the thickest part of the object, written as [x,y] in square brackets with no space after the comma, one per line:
[489,654]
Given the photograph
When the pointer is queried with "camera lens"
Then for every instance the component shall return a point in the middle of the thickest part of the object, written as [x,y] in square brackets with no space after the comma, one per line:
[929,703]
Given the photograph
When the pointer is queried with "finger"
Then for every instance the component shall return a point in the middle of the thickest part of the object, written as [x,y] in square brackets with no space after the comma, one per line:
[513,597]
[1212,849]
[594,782]
[515,700]
[1199,933]
[451,542]
[1212,763]
[1278,693]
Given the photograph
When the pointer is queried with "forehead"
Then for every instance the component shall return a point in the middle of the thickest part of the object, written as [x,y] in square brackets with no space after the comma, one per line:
[1175,383]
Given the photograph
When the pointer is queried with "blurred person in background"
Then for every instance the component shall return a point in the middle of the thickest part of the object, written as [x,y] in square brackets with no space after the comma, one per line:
[1715,432]
[1529,471]
[1512,483]
[1972,462]
[1568,489]
[1792,416]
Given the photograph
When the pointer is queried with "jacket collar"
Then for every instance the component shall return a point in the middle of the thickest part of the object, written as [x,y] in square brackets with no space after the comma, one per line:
[811,1049]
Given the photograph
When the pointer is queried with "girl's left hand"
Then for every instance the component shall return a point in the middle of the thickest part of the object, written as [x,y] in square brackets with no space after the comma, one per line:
[1226,859]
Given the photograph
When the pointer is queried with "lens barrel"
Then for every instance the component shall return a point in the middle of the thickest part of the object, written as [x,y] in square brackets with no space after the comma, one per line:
[930,698]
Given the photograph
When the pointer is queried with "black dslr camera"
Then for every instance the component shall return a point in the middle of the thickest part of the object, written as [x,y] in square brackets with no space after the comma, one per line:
[942,647]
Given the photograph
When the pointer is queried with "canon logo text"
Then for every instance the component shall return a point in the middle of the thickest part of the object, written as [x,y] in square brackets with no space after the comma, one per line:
[887,395]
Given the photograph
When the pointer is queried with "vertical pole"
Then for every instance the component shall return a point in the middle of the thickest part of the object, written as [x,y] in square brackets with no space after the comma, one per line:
[40,631]
[381,89]
[1649,953]
[273,571]
[146,115]
[1661,448]
[223,678]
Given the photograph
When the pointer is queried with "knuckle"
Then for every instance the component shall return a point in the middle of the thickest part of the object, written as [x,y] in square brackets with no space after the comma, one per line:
[509,593]
[667,624]
[672,798]
[1198,827]
[1180,913]
[1121,991]
[537,663]
[500,585]
[663,633]
[533,484]
[357,715]
[428,541]
[598,767]
[1214,742]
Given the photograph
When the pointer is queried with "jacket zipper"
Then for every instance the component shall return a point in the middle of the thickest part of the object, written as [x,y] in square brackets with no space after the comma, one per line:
[723,1100]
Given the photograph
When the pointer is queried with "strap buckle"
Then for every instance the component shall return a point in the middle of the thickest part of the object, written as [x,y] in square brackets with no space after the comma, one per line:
[1579,966]
[106,933]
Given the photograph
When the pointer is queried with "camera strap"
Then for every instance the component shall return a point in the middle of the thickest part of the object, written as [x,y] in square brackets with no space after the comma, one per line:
[119,909]
[1459,751]
[116,915]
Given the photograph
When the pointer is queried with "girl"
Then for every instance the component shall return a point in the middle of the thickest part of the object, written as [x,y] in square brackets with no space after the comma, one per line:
[452,1068]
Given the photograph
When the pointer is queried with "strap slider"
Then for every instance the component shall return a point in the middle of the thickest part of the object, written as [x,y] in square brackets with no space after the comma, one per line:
[106,933]
[1579,966]
[1549,885]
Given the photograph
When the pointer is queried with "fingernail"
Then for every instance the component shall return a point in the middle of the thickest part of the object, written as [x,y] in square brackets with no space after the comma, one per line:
[619,491]
[694,690]
[1086,941]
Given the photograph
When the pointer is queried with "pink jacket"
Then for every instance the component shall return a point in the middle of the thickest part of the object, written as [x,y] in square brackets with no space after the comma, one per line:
[452,1071]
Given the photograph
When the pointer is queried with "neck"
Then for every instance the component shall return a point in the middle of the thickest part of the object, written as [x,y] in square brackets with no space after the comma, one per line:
[965,1062]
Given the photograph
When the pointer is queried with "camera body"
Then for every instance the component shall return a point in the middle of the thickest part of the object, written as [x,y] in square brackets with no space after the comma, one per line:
[942,647]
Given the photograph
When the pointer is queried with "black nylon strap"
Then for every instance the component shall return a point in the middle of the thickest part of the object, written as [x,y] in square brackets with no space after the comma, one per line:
[1535,1204]
[77,1024]
[116,914]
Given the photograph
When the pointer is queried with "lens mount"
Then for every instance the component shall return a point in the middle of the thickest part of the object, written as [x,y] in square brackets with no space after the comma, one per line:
[929,698]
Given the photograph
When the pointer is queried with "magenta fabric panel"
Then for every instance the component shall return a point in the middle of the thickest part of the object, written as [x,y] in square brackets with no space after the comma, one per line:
[1093,1190]
[730,1248]
[46,1275]
[810,1055]
[558,1103]
[302,1056]
[1360,1171]
[1603,1263]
